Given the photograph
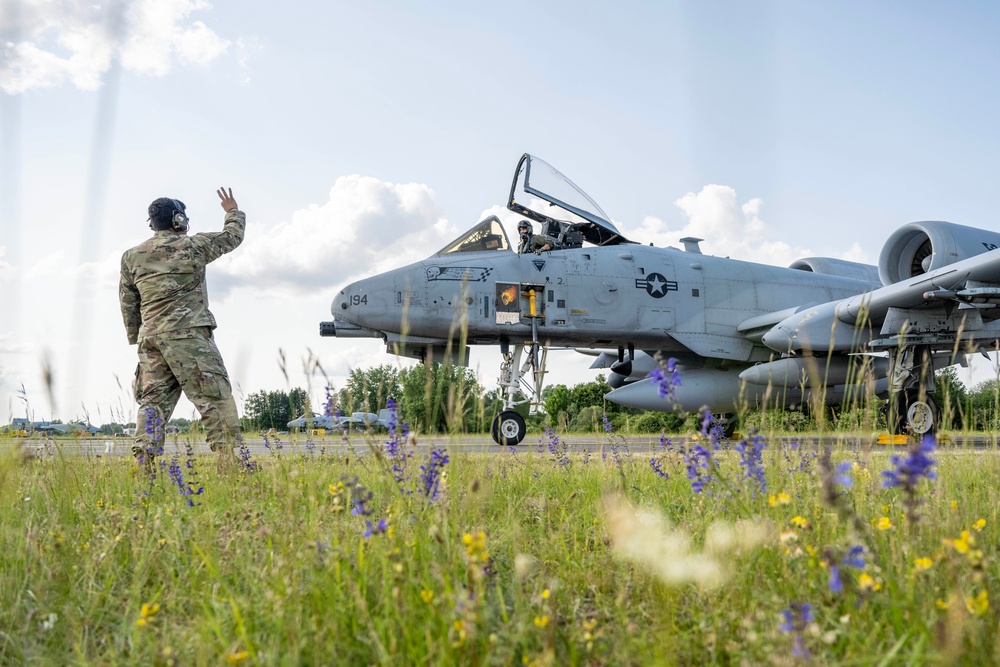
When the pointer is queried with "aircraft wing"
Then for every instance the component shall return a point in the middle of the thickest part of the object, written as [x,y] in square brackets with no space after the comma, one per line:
[956,301]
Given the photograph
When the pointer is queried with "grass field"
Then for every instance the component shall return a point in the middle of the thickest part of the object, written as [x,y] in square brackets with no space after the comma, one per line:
[724,553]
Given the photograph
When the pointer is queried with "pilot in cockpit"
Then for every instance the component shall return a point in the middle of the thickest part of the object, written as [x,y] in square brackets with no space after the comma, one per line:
[530,242]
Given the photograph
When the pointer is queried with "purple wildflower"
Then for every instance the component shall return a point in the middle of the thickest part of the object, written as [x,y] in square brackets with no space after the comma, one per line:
[377,529]
[247,464]
[854,558]
[665,442]
[184,486]
[906,473]
[843,474]
[658,468]
[699,467]
[154,441]
[360,497]
[666,377]
[557,448]
[430,474]
[394,451]
[752,460]
[795,619]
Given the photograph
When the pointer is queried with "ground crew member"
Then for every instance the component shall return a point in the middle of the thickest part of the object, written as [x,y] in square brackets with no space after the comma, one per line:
[535,243]
[164,303]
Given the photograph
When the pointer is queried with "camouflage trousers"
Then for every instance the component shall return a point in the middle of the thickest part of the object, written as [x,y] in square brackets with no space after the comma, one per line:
[184,360]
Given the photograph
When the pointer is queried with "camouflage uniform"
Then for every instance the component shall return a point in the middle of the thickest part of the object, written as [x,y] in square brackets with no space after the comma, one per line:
[164,304]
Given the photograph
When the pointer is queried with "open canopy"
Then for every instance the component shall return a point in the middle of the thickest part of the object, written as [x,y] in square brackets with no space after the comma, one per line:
[564,202]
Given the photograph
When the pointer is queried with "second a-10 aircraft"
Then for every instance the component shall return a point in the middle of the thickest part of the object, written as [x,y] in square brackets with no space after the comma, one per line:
[743,334]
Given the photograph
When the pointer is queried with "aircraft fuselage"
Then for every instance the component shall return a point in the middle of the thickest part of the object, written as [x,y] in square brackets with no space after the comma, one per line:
[683,303]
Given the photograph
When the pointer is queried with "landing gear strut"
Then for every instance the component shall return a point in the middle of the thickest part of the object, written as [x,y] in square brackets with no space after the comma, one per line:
[912,408]
[508,426]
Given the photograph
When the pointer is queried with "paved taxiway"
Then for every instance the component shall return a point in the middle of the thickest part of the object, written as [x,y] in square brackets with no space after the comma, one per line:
[472,444]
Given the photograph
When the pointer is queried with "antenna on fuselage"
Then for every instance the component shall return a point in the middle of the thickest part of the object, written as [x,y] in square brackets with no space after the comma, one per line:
[691,244]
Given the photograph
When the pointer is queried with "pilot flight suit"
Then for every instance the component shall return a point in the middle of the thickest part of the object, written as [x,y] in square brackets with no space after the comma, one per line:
[533,243]
[164,303]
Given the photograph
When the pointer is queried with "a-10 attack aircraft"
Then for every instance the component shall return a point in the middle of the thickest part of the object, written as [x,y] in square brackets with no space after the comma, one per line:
[743,334]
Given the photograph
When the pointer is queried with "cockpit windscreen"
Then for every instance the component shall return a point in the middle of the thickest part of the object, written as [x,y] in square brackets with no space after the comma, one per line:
[488,235]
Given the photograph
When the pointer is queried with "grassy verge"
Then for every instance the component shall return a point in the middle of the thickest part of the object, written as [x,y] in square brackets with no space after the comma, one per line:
[717,554]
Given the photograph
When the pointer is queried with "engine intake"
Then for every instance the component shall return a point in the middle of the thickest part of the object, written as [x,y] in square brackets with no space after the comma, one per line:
[919,247]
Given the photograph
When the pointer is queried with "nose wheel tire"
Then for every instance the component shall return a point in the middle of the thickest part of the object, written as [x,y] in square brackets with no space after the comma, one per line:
[508,428]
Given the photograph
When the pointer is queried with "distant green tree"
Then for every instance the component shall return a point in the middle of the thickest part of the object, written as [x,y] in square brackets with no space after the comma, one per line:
[181,423]
[558,402]
[442,398]
[274,409]
[369,390]
[984,406]
[951,397]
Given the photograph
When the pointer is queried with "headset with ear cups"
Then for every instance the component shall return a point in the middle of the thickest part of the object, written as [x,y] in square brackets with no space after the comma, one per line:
[179,222]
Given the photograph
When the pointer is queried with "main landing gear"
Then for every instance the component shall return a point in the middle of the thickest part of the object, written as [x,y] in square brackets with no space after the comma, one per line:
[911,407]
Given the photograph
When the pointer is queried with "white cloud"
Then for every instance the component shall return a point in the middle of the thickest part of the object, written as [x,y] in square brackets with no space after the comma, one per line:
[365,227]
[6,269]
[46,44]
[727,227]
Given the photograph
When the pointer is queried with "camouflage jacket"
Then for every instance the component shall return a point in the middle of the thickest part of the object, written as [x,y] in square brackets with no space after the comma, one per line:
[162,286]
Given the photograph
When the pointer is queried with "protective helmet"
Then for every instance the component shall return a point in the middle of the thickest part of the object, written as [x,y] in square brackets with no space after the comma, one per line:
[524,227]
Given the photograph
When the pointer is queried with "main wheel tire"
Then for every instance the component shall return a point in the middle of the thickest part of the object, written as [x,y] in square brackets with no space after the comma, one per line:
[911,416]
[729,423]
[508,428]
[922,416]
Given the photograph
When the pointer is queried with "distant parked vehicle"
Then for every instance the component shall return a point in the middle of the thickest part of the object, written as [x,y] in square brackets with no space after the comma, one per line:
[365,421]
[316,420]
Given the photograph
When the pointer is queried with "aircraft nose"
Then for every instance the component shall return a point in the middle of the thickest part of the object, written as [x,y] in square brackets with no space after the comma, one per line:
[366,303]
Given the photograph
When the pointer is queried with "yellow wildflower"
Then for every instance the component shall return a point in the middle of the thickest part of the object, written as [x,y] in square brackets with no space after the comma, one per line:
[147,613]
[800,522]
[542,621]
[884,523]
[237,658]
[978,605]
[780,499]
[427,596]
[979,525]
[867,583]
[546,594]
[941,604]
[921,564]
[475,547]
[963,543]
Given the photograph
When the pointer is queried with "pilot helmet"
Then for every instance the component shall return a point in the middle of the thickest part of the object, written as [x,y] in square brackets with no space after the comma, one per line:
[524,227]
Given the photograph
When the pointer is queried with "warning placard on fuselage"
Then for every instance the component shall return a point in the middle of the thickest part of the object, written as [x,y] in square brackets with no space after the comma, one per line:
[508,303]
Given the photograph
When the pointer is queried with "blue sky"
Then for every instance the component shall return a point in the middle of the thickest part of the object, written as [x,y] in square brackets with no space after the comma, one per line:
[360,136]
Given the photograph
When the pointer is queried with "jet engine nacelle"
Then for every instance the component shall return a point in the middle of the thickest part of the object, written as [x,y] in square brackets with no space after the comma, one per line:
[830,266]
[919,247]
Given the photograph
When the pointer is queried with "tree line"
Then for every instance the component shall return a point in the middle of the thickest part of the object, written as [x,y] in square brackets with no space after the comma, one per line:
[442,398]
